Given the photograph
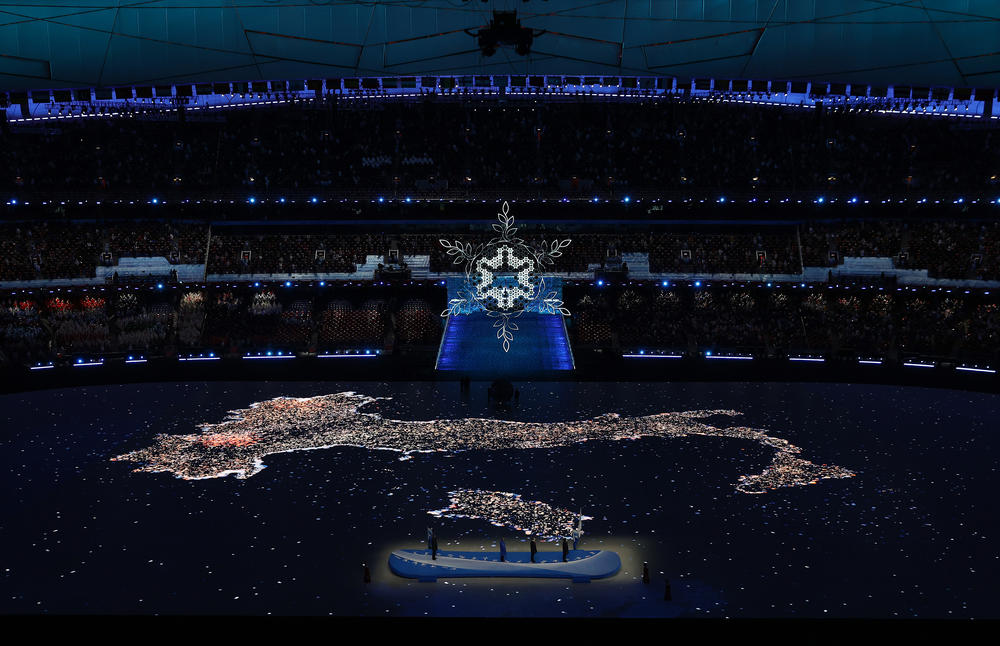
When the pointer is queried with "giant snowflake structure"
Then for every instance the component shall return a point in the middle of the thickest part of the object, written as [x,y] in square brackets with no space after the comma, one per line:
[504,278]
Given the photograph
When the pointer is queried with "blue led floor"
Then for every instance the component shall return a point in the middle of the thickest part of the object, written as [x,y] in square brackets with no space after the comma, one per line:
[470,345]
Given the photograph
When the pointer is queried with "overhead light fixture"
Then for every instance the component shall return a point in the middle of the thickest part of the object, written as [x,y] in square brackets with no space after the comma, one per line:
[505,29]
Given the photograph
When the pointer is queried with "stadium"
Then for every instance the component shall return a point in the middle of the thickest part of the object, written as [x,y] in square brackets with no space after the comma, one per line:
[694,307]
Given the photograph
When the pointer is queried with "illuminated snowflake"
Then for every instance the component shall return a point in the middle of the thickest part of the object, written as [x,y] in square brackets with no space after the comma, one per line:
[503,277]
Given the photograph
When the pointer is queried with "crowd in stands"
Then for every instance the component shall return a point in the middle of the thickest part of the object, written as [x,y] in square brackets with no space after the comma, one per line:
[947,249]
[45,249]
[190,318]
[109,322]
[709,252]
[180,242]
[950,249]
[289,253]
[140,327]
[954,249]
[341,322]
[24,339]
[79,325]
[887,322]
[864,322]
[566,146]
[585,250]
[864,238]
[416,322]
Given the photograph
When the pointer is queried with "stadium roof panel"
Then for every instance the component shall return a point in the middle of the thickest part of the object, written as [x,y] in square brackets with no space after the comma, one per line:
[89,43]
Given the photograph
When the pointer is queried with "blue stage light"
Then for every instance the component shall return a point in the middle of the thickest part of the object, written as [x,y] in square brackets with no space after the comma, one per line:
[313,200]
[322,283]
[821,200]
[159,285]
[408,200]
[269,353]
[256,284]
[665,283]
[627,199]
[769,284]
[600,283]
[155,200]
[708,353]
[697,283]
[282,200]
[381,199]
[253,200]
[288,283]
[722,200]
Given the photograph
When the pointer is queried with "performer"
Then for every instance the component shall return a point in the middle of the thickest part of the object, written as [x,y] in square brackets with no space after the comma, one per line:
[534,548]
[434,547]
[578,530]
[645,572]
[430,535]
[565,547]
[503,550]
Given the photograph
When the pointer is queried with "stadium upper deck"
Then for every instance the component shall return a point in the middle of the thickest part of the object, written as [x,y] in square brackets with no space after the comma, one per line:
[659,145]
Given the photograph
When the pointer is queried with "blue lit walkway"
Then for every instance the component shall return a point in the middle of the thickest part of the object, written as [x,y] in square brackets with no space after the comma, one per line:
[582,565]
[470,345]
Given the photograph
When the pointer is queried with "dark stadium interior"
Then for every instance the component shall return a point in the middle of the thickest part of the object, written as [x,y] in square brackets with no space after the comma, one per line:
[289,292]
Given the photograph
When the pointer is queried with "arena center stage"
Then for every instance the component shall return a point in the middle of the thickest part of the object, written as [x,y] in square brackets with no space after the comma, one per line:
[747,499]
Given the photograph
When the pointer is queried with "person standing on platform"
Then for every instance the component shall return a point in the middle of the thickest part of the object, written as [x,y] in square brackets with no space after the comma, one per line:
[645,572]
[434,547]
[430,536]
[534,548]
[503,550]
[368,574]
[565,547]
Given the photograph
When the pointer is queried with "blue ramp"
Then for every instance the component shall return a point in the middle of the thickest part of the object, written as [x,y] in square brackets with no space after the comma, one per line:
[470,345]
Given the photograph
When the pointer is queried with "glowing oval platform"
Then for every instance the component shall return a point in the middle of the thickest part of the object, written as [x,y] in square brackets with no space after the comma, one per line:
[581,565]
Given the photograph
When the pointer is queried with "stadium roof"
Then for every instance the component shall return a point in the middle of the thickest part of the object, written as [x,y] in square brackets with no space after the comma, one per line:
[88,43]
